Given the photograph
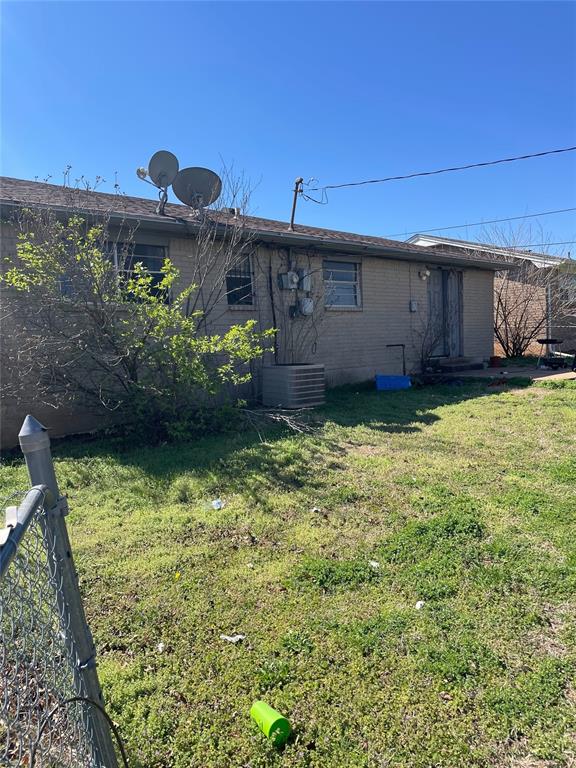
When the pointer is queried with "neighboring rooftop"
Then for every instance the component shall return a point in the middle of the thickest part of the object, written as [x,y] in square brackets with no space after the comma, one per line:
[179,218]
[452,244]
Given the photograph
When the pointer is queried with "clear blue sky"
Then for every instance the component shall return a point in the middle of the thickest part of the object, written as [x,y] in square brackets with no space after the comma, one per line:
[336,91]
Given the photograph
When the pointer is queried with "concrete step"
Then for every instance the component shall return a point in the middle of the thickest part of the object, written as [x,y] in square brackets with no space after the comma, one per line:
[458,364]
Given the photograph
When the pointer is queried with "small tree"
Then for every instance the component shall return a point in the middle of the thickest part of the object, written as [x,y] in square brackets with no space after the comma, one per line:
[521,313]
[433,326]
[426,337]
[113,336]
[529,299]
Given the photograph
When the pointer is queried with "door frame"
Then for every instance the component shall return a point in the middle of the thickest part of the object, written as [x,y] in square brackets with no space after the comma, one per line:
[452,339]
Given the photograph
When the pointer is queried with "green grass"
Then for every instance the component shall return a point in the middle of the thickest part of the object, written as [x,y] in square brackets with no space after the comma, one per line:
[527,360]
[462,497]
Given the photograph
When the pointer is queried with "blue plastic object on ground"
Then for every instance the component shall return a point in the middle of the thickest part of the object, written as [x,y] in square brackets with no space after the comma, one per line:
[392,382]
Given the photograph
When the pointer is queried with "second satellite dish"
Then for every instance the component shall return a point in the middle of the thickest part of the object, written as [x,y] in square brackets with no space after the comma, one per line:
[163,168]
[197,187]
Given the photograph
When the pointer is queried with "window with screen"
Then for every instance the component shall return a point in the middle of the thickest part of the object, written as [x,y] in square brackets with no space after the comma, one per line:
[341,284]
[239,290]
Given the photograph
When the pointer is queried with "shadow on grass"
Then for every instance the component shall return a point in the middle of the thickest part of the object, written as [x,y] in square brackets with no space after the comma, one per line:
[404,411]
[235,454]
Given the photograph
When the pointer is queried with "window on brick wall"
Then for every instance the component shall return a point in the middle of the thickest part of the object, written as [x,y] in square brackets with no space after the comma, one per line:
[239,289]
[342,284]
[126,255]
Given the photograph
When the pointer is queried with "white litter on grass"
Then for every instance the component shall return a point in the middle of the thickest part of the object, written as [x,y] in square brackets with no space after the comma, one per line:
[315,509]
[160,647]
[217,504]
[419,605]
[232,638]
[374,564]
[250,565]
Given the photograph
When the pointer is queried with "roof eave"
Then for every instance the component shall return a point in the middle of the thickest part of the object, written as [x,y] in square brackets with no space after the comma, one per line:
[538,258]
[302,240]
[292,238]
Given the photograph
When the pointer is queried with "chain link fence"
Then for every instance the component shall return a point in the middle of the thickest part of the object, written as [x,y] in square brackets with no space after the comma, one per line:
[38,662]
[51,713]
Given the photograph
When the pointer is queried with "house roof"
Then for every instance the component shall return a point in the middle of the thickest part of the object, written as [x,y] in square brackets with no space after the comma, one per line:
[181,219]
[432,241]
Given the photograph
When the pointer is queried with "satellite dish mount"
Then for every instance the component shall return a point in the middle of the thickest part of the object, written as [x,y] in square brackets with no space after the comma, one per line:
[195,187]
[162,169]
[162,200]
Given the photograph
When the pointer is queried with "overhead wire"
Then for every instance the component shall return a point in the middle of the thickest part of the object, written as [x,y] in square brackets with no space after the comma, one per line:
[481,223]
[535,245]
[308,184]
[444,170]
[323,201]
[324,194]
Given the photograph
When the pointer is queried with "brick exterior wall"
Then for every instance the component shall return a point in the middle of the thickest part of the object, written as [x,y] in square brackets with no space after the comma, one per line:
[352,343]
[531,299]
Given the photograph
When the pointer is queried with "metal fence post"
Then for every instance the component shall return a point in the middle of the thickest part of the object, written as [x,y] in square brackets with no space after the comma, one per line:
[35,444]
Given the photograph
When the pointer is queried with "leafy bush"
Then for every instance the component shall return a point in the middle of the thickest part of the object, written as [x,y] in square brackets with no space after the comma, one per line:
[118,338]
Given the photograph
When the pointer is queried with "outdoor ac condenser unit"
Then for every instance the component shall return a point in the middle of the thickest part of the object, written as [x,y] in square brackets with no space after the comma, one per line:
[293,386]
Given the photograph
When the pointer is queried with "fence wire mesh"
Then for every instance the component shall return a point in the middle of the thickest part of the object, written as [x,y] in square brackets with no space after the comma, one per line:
[38,661]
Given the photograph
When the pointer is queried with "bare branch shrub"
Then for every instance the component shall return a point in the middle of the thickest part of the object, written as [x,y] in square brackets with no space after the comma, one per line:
[535,296]
[106,332]
[298,334]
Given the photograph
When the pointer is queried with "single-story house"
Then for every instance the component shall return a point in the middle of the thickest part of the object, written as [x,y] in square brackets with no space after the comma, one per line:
[355,304]
[539,286]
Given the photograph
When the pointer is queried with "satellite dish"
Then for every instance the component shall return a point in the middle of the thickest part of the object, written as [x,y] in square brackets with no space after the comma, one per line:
[163,168]
[197,187]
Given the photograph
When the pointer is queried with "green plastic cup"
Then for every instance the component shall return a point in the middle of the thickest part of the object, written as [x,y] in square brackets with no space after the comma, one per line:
[272,724]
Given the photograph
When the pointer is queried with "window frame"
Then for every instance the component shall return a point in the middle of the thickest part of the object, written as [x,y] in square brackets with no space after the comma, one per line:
[228,292]
[114,247]
[345,261]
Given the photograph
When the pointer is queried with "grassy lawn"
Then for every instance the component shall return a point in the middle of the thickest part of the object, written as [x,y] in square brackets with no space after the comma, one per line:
[463,497]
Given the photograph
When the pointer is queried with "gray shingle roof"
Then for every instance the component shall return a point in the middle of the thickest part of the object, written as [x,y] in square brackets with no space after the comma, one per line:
[18,192]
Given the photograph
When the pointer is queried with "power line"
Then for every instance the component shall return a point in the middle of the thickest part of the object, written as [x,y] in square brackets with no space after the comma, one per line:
[495,246]
[480,223]
[443,170]
[536,245]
